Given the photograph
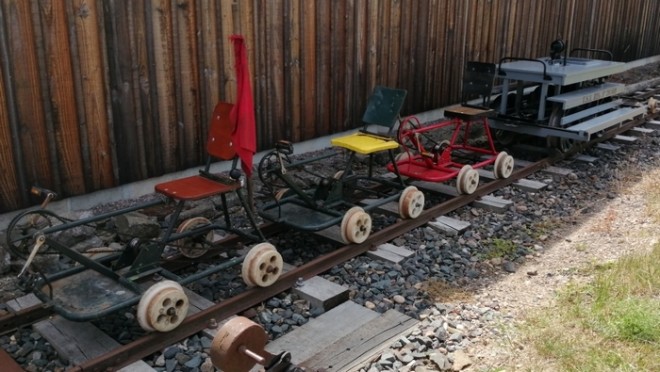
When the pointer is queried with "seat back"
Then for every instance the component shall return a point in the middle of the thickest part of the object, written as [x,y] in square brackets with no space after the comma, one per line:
[478,80]
[384,106]
[219,143]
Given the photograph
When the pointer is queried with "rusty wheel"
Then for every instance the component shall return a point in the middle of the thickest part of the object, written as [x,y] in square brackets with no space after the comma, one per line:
[162,307]
[21,231]
[238,345]
[262,266]
[194,246]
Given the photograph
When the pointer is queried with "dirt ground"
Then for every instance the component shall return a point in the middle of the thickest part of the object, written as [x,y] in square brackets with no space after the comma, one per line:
[622,227]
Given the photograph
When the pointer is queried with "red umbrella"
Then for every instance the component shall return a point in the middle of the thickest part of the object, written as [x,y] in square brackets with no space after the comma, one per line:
[242,115]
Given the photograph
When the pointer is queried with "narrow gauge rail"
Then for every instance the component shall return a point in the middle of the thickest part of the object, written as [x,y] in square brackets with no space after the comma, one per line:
[154,342]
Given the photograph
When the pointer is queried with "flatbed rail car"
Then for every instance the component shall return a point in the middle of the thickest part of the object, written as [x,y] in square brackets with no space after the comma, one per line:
[563,98]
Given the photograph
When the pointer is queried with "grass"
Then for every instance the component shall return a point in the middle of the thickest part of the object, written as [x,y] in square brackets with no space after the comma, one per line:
[609,324]
[500,248]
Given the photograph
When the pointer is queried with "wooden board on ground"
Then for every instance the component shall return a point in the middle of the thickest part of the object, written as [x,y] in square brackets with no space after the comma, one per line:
[558,171]
[440,188]
[304,342]
[624,139]
[653,124]
[607,146]
[362,344]
[530,185]
[449,226]
[493,203]
[74,341]
[640,132]
[322,293]
[585,158]
[390,253]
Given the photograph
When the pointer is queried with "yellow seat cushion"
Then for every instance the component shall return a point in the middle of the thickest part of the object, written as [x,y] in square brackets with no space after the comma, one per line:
[364,143]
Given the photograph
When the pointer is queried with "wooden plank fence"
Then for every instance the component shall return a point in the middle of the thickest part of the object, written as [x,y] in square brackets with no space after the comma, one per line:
[95,94]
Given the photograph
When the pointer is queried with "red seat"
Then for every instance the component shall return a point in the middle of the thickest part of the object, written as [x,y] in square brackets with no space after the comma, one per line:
[219,145]
[194,188]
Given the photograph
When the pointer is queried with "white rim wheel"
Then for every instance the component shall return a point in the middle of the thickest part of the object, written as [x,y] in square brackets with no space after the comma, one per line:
[189,246]
[355,226]
[411,202]
[467,180]
[229,346]
[503,165]
[162,307]
[262,266]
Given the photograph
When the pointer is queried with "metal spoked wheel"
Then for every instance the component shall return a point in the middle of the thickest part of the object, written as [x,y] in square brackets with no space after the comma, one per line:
[194,246]
[269,166]
[411,203]
[22,229]
[162,307]
[467,180]
[406,134]
[504,164]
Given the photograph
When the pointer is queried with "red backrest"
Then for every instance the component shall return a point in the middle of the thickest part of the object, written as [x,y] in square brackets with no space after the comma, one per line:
[219,144]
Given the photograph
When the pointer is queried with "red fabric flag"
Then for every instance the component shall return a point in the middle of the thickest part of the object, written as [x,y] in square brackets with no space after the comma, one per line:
[242,115]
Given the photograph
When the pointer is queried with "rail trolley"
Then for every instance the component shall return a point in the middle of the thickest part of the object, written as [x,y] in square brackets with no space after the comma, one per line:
[564,98]
[101,282]
[345,197]
[428,157]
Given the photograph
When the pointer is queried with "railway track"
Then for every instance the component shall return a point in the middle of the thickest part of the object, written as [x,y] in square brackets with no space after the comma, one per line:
[209,316]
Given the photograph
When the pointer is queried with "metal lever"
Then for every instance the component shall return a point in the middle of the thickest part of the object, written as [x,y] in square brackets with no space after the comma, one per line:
[41,239]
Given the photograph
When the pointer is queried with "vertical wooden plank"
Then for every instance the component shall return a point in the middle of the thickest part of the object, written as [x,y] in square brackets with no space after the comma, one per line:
[347,117]
[323,57]
[417,93]
[275,61]
[192,137]
[430,83]
[226,30]
[292,84]
[308,21]
[164,84]
[27,93]
[209,61]
[383,46]
[395,42]
[123,101]
[361,56]
[337,68]
[9,198]
[57,58]
[406,14]
[373,45]
[94,96]
[141,44]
